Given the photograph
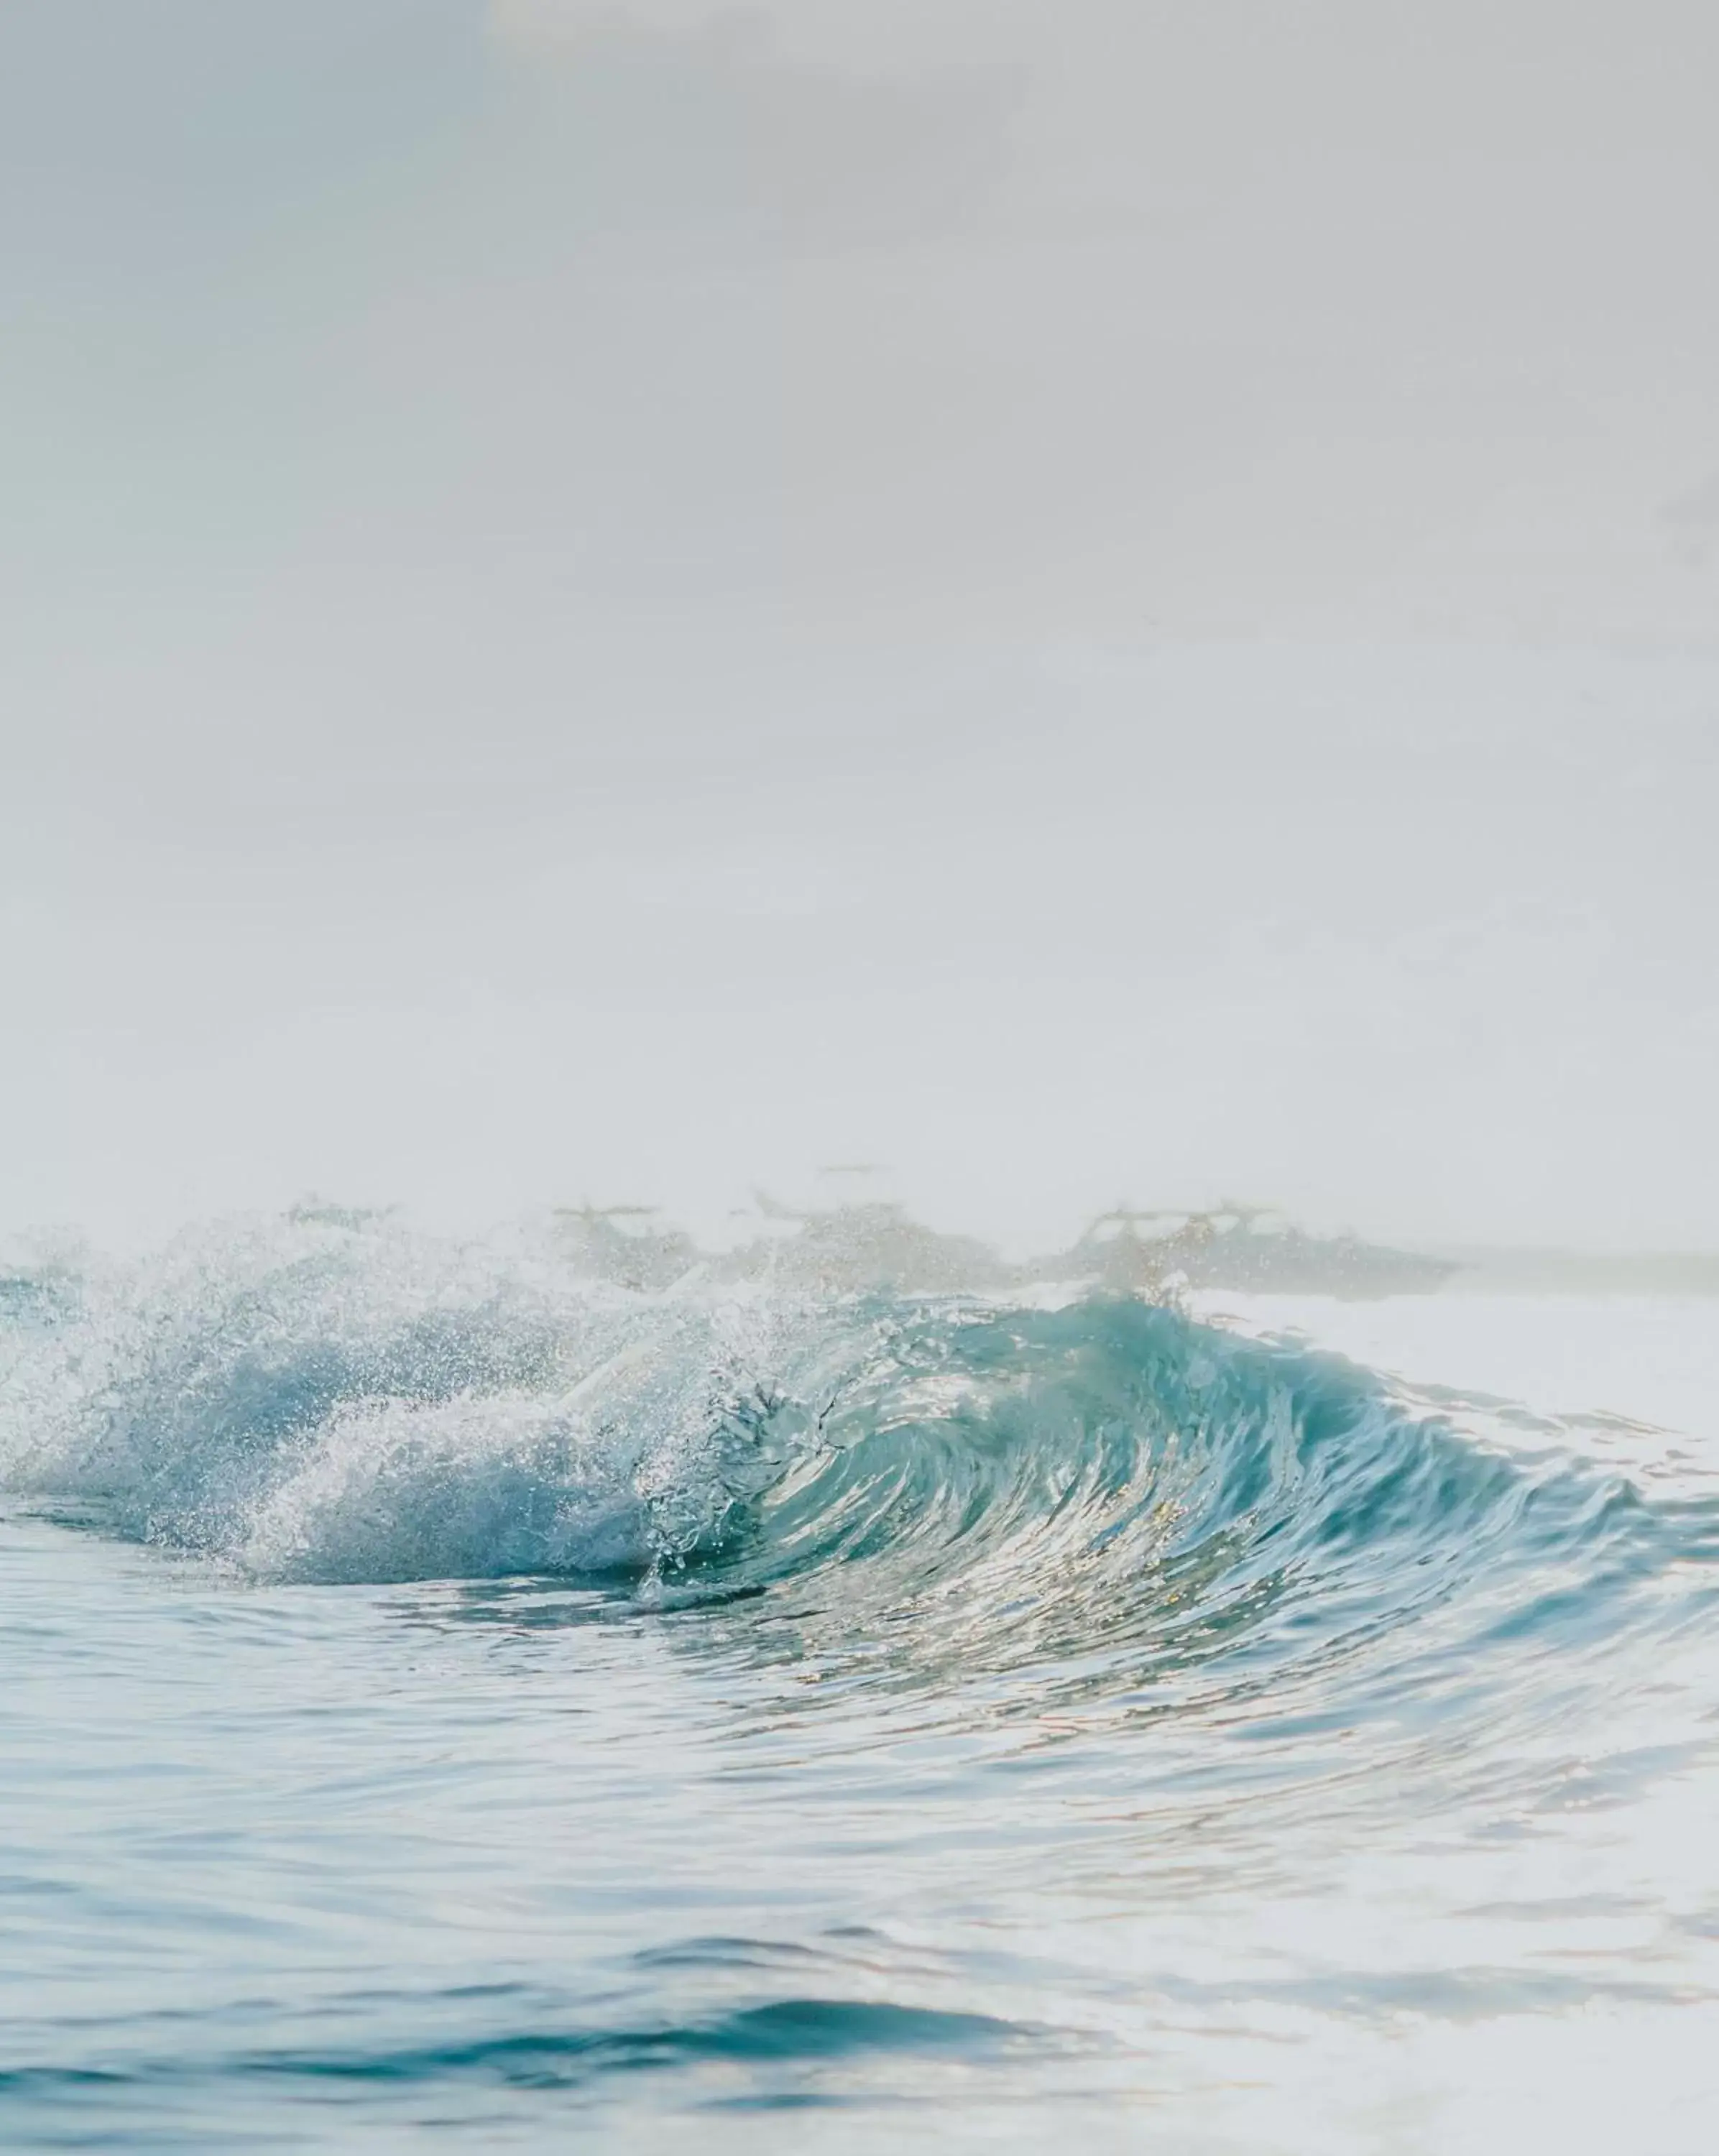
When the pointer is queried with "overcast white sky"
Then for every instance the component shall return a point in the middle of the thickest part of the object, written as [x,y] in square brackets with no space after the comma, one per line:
[1085,599]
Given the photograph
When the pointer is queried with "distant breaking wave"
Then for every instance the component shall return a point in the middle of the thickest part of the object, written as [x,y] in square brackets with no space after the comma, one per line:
[1099,1501]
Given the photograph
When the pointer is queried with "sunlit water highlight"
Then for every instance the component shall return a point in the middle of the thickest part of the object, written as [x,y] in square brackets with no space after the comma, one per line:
[451,1701]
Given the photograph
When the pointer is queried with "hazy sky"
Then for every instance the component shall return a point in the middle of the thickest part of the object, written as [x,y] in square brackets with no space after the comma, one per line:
[1085,599]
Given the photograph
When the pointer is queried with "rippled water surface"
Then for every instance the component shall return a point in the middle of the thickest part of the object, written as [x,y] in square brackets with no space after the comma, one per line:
[447,1701]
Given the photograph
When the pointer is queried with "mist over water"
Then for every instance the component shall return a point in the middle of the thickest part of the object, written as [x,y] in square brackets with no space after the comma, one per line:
[617,602]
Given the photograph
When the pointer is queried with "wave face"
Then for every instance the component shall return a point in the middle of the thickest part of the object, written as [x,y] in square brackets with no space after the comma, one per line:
[1100,1492]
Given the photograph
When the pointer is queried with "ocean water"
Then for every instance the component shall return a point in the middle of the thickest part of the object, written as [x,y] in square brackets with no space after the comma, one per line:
[449,1700]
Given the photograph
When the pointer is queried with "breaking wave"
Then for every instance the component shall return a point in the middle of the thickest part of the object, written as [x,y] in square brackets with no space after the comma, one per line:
[1103,1489]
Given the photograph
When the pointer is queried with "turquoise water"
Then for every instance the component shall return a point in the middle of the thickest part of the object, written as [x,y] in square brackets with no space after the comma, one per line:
[452,1702]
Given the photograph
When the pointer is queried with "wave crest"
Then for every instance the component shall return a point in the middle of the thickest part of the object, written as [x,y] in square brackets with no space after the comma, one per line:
[1106,1490]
